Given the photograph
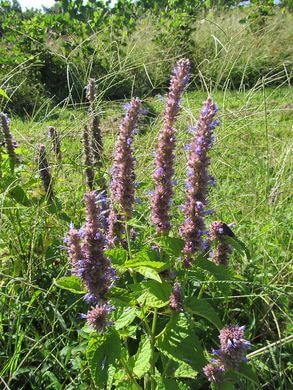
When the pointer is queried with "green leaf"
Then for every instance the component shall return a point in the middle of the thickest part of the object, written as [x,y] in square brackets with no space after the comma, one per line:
[70,283]
[143,358]
[172,245]
[247,372]
[154,294]
[157,265]
[126,318]
[118,256]
[238,245]
[148,273]
[3,93]
[185,371]
[169,384]
[226,386]
[121,297]
[220,272]
[203,309]
[179,342]
[102,353]
[19,195]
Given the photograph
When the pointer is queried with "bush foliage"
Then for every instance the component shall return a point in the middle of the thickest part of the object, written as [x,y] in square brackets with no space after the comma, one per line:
[47,56]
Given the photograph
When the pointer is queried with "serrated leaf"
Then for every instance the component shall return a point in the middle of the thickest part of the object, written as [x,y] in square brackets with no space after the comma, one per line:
[154,294]
[172,245]
[169,384]
[203,309]
[185,371]
[149,273]
[220,272]
[126,318]
[157,265]
[179,342]
[143,358]
[121,297]
[70,283]
[238,245]
[118,256]
[104,349]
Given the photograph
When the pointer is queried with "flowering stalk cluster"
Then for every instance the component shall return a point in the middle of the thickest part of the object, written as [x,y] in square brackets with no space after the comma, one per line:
[175,300]
[9,141]
[44,171]
[232,352]
[53,134]
[220,255]
[123,177]
[88,159]
[198,180]
[88,261]
[94,125]
[164,169]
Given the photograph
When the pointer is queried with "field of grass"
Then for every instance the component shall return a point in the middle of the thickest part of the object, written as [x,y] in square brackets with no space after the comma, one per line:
[41,336]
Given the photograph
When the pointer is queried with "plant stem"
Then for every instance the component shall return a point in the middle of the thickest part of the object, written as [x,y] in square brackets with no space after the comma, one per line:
[129,373]
[153,335]
[201,291]
[128,239]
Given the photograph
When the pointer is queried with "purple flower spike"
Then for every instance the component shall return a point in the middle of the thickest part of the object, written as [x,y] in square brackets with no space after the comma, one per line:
[176,298]
[164,161]
[86,252]
[73,243]
[94,268]
[230,355]
[9,141]
[223,250]
[233,345]
[123,176]
[97,316]
[197,182]
[44,171]
[96,140]
[214,371]
[56,143]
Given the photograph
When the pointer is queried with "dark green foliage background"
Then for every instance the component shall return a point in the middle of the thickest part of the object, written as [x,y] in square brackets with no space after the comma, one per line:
[46,56]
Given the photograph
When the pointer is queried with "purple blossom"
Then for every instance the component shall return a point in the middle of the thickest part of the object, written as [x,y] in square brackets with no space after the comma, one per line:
[233,347]
[164,161]
[94,268]
[73,245]
[222,249]
[10,143]
[95,140]
[91,90]
[97,317]
[175,300]
[197,183]
[56,144]
[88,159]
[44,171]
[123,177]
[214,371]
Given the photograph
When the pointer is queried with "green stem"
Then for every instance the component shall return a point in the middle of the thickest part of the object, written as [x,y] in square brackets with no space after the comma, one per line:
[201,291]
[128,239]
[129,373]
[153,335]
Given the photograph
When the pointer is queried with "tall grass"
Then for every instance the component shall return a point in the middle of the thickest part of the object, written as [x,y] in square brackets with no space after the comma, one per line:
[40,343]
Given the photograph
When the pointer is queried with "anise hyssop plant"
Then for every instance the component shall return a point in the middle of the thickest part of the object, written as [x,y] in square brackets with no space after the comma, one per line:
[150,320]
